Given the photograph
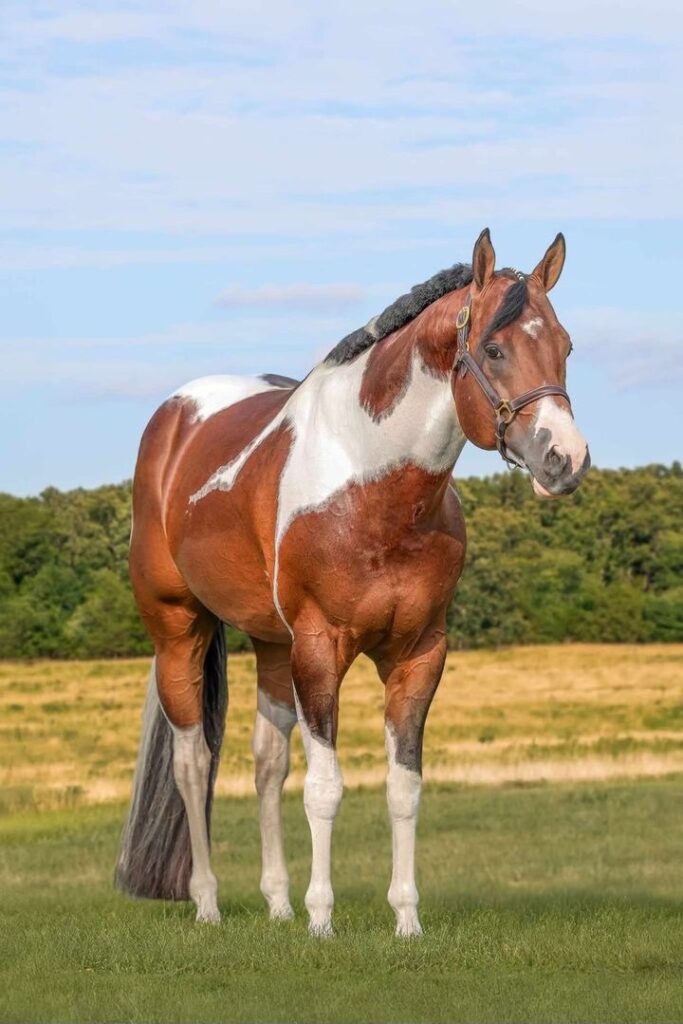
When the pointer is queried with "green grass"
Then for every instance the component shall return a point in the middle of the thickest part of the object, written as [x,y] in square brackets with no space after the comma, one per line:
[540,903]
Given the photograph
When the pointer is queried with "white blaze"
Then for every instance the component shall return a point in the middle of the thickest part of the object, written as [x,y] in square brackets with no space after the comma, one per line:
[563,431]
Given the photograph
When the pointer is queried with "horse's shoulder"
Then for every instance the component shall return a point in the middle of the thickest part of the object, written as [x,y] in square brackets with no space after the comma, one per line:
[205,424]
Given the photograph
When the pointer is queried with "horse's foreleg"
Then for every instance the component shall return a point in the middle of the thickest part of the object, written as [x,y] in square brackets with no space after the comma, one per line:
[317,675]
[275,719]
[410,687]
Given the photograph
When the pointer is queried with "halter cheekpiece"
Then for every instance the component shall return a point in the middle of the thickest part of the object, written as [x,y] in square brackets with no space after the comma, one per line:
[505,409]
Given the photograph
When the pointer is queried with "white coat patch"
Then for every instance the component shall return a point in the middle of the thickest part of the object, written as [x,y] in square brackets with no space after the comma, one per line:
[337,443]
[213,394]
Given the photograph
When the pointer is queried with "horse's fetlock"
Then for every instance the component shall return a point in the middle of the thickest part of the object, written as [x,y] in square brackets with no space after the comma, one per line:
[403,895]
[319,899]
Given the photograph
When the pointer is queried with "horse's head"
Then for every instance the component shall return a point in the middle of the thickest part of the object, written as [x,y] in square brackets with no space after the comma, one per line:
[509,382]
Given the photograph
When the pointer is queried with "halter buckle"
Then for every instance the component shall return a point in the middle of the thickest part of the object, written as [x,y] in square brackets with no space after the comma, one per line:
[505,412]
[463,318]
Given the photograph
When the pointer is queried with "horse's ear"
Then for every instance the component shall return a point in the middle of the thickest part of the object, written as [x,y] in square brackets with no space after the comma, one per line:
[550,267]
[483,259]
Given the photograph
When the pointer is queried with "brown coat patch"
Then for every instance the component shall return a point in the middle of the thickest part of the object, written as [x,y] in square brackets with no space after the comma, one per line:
[387,375]
[381,559]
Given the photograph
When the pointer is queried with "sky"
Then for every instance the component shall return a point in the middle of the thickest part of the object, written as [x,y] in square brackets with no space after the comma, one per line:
[188,189]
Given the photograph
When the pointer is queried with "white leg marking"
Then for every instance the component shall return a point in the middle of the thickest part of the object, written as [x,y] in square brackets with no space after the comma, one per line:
[191,763]
[562,429]
[403,798]
[322,796]
[274,724]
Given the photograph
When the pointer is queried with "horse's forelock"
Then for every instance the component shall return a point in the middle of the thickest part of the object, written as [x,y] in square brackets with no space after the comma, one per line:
[514,301]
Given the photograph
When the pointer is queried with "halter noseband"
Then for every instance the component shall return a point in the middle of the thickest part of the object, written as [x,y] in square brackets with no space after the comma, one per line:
[505,409]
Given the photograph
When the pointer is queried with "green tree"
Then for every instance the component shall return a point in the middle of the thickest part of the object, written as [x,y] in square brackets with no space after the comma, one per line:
[107,624]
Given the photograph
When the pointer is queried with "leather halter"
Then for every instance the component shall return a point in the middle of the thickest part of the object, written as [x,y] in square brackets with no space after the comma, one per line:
[505,409]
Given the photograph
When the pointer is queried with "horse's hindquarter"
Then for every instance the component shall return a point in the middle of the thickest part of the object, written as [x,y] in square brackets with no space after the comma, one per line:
[221,541]
[379,558]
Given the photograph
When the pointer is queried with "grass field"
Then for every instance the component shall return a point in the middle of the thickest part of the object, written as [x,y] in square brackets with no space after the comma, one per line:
[69,730]
[551,889]
[553,903]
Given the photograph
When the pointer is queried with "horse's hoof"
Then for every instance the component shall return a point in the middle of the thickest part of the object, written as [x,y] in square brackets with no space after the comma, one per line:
[208,913]
[208,917]
[281,912]
[408,926]
[321,929]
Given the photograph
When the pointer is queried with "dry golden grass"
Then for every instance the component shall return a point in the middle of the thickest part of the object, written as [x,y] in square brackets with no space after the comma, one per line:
[69,730]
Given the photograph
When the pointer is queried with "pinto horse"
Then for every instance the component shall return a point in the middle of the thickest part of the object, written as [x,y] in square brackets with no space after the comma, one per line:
[319,517]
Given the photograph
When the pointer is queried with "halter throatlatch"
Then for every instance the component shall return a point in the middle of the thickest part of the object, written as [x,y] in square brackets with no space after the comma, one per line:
[505,409]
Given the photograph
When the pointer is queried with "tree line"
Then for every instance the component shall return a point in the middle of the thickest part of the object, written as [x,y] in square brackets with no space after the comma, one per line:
[605,565]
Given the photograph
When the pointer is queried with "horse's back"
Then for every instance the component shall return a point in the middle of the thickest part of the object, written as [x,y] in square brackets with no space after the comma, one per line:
[218,549]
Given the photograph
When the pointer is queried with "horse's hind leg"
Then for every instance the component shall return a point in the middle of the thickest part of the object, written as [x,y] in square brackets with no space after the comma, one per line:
[411,683]
[275,719]
[182,637]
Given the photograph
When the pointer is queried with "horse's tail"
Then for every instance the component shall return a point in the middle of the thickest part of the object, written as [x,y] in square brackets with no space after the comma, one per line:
[155,859]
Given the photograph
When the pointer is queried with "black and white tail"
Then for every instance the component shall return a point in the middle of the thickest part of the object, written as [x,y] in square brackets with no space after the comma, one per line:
[155,860]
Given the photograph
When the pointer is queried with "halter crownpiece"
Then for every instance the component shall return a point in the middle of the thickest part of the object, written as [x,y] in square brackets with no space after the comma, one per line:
[505,409]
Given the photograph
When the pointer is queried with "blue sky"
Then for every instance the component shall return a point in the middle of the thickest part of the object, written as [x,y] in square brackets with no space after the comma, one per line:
[229,188]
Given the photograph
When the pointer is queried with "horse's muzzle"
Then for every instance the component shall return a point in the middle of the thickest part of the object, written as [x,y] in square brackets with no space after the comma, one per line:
[556,477]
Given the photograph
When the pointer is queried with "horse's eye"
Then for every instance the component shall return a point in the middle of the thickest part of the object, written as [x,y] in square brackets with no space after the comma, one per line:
[571,349]
[493,352]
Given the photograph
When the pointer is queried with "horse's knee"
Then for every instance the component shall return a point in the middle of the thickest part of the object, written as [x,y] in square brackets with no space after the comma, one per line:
[403,793]
[271,758]
[324,786]
[270,744]
[404,781]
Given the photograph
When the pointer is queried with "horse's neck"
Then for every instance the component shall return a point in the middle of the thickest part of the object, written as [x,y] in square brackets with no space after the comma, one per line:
[384,409]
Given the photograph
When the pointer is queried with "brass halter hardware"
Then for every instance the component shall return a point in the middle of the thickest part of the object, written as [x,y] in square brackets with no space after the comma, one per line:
[505,409]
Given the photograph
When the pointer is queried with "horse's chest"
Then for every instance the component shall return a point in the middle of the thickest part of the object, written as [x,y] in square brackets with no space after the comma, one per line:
[374,552]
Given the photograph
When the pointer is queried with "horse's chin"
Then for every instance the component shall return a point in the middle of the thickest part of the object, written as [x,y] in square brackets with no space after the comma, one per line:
[541,492]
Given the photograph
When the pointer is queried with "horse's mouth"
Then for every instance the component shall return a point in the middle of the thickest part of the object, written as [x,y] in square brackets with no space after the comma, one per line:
[542,492]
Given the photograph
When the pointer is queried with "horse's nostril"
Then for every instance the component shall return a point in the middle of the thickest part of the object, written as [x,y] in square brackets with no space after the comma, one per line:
[555,462]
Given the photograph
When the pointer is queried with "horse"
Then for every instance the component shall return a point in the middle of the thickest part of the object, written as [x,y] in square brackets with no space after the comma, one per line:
[320,518]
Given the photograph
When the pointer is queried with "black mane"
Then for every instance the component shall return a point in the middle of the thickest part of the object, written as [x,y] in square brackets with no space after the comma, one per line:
[401,312]
[408,306]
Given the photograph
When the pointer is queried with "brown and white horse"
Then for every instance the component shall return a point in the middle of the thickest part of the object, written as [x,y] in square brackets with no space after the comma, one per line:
[320,519]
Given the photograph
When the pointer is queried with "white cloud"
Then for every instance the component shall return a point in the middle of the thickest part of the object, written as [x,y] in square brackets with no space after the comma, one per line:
[153,364]
[292,146]
[635,349]
[292,296]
